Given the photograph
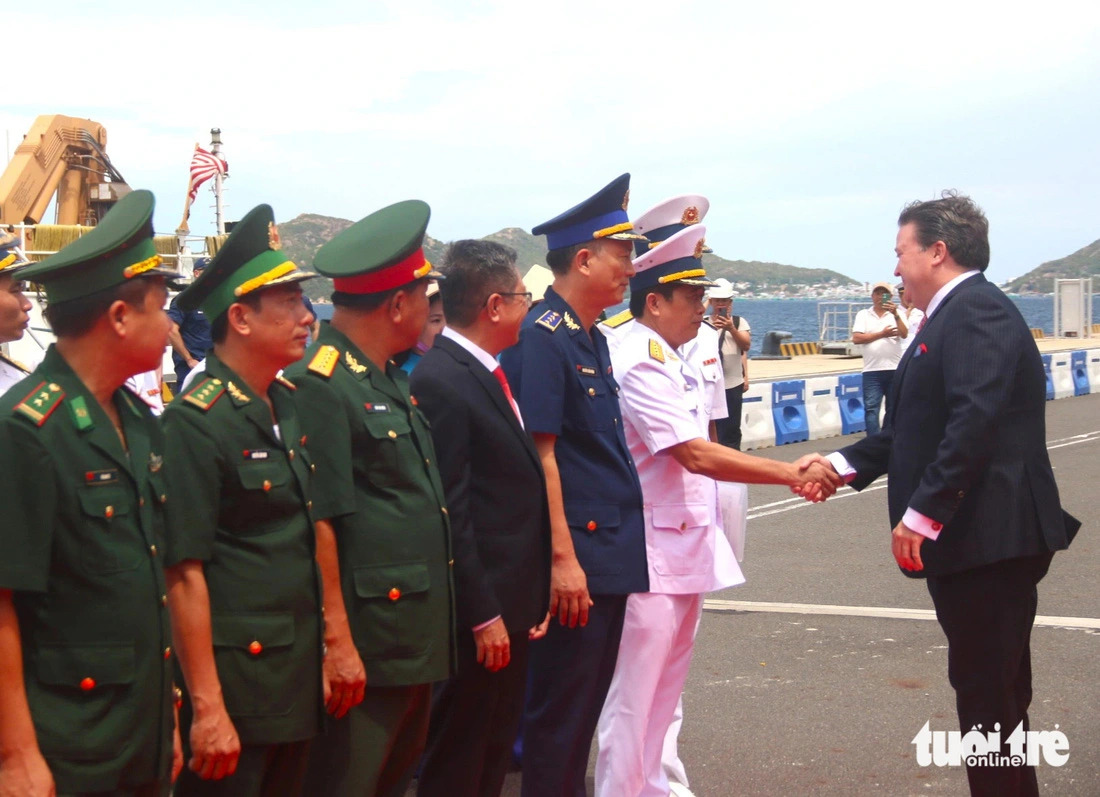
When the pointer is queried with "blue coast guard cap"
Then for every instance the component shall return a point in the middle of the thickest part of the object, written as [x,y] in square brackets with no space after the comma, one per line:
[12,258]
[667,218]
[679,259]
[602,215]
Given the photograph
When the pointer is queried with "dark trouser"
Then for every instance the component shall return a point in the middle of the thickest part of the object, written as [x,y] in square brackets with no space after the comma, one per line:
[571,670]
[157,789]
[876,385]
[375,747]
[729,429]
[474,720]
[987,614]
[262,770]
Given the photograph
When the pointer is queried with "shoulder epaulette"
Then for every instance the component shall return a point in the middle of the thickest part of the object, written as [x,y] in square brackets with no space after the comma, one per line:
[324,361]
[15,363]
[205,393]
[41,402]
[619,319]
[551,320]
[709,324]
[656,351]
[282,380]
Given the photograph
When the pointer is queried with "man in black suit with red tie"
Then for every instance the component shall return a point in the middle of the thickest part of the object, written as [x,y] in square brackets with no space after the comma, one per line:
[500,523]
[972,498]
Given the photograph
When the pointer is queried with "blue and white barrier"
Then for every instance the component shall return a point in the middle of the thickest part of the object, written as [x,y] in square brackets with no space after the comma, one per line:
[791,410]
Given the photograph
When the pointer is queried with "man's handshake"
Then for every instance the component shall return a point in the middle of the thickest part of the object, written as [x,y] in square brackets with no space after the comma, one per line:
[816,479]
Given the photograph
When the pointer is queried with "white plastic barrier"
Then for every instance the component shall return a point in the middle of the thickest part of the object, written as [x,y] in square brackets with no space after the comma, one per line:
[1092,357]
[822,410]
[1061,374]
[757,424]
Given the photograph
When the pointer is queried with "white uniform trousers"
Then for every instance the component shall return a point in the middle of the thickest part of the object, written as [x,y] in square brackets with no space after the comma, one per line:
[654,656]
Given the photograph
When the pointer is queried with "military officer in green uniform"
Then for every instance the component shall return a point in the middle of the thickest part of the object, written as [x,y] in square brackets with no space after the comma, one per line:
[383,536]
[243,584]
[85,656]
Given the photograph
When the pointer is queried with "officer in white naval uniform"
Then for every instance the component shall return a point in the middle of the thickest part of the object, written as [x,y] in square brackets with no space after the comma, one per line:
[665,422]
[14,306]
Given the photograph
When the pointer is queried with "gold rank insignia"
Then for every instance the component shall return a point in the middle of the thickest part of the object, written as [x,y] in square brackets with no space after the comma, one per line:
[570,323]
[656,351]
[626,199]
[691,215]
[273,239]
[237,394]
[353,364]
[550,320]
[205,393]
[282,380]
[324,361]
[41,402]
[619,319]
[700,247]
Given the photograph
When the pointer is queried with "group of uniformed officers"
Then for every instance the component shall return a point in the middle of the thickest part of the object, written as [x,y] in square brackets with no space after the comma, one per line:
[255,593]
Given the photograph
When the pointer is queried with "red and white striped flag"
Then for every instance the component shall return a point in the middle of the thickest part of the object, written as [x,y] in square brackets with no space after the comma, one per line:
[205,165]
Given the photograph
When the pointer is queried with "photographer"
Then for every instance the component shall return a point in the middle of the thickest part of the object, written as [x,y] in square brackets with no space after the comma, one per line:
[879,330]
[734,340]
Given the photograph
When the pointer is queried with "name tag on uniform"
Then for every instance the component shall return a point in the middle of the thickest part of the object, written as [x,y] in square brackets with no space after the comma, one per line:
[101,477]
[376,407]
[586,370]
[257,453]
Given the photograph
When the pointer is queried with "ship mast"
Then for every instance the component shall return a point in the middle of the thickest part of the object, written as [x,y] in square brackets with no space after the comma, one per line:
[216,149]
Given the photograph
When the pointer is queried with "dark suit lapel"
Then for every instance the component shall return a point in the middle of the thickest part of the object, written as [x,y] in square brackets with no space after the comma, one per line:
[491,387]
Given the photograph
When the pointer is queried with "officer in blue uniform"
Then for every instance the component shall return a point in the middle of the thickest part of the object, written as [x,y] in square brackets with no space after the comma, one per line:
[560,372]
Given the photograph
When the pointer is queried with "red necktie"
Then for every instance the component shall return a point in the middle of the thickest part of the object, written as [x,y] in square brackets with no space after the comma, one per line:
[920,326]
[498,372]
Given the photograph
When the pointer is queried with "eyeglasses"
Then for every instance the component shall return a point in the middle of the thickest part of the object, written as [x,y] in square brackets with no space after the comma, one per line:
[527,295]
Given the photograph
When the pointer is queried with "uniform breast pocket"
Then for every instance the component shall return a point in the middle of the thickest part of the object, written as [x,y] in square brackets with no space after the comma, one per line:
[111,542]
[254,656]
[393,604]
[680,539]
[595,412]
[75,699]
[389,435]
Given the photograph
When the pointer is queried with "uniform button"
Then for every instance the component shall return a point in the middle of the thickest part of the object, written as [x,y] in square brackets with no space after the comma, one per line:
[255,648]
[109,512]
[290,455]
[163,600]
[392,434]
[395,593]
[591,525]
[87,684]
[616,421]
[312,468]
[444,509]
[141,501]
[163,498]
[309,505]
[683,526]
[591,391]
[961,493]
[937,526]
[450,562]
[302,442]
[167,653]
[427,461]
[153,550]
[267,486]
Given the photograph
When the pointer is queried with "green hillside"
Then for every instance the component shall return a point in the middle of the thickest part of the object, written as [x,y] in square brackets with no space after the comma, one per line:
[304,235]
[1085,262]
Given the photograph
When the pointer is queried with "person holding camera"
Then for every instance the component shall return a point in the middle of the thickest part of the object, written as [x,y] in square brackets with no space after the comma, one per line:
[879,329]
[734,339]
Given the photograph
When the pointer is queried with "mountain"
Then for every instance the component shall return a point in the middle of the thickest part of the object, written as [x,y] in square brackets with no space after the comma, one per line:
[1085,262]
[304,235]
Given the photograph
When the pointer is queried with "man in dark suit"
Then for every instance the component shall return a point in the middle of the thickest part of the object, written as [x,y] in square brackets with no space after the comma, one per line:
[972,498]
[500,523]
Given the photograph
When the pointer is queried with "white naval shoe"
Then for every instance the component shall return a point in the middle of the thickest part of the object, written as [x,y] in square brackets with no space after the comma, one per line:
[679,790]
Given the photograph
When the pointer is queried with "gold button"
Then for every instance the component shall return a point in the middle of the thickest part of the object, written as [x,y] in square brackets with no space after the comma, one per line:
[427,461]
[163,600]
[961,493]
[309,505]
[141,501]
[312,468]
[591,391]
[267,486]
[167,653]
[392,434]
[451,562]
[290,455]
[109,512]
[395,593]
[163,498]
[255,648]
[153,550]
[445,512]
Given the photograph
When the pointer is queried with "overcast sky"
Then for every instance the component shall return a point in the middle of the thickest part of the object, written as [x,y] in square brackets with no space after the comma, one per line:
[808,125]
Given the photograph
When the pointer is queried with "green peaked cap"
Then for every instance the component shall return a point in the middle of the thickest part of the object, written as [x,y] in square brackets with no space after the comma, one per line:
[119,248]
[251,259]
[381,251]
